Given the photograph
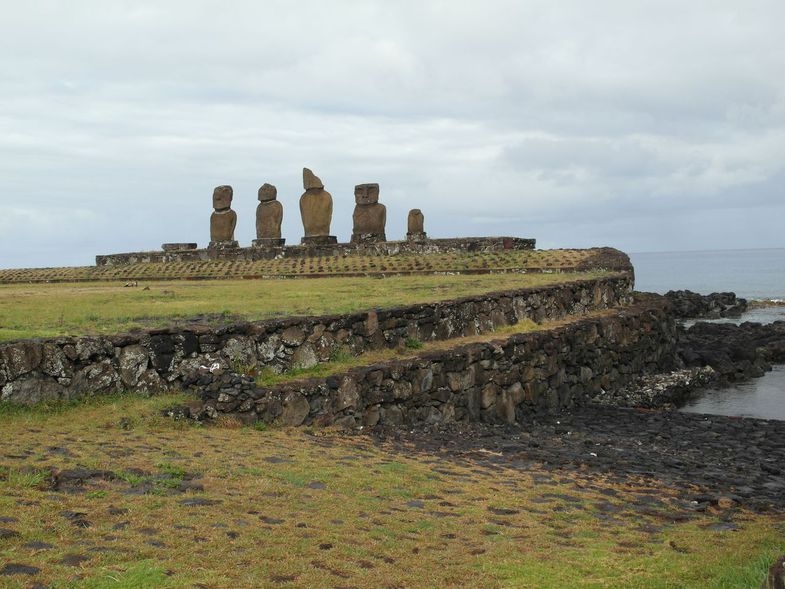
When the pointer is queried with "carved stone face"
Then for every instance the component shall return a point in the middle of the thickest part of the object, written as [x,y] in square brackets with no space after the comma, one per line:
[267,192]
[366,194]
[222,197]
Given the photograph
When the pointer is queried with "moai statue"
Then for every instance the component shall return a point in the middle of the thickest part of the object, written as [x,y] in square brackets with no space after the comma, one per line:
[370,217]
[316,210]
[415,231]
[269,215]
[223,220]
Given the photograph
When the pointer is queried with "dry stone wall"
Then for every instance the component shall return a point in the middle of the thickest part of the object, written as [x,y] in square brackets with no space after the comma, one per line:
[493,382]
[269,252]
[69,367]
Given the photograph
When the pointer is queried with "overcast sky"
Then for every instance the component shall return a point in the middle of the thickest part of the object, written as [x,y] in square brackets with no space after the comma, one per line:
[644,125]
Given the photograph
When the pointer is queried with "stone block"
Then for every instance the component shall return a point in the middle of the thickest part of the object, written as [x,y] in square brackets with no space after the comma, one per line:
[268,242]
[19,358]
[32,390]
[100,377]
[150,383]
[488,395]
[347,396]
[391,415]
[304,357]
[92,348]
[346,422]
[371,416]
[178,247]
[162,350]
[295,409]
[317,240]
[293,336]
[240,350]
[133,362]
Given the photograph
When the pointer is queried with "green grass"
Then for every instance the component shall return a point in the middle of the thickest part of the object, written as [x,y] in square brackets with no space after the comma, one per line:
[316,508]
[23,478]
[47,310]
[135,576]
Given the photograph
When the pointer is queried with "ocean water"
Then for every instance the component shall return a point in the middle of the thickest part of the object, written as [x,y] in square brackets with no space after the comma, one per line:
[761,397]
[752,274]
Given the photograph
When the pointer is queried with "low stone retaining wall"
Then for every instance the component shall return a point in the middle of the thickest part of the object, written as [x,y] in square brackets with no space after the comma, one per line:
[490,382]
[68,367]
[383,248]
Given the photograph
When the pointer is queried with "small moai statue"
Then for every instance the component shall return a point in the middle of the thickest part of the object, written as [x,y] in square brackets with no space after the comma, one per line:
[269,215]
[415,224]
[370,216]
[223,220]
[316,210]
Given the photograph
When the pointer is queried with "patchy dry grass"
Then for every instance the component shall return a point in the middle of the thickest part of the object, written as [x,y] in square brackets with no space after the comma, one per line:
[168,504]
[45,310]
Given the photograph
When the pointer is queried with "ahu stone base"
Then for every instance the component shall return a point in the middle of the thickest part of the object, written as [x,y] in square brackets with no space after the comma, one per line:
[318,246]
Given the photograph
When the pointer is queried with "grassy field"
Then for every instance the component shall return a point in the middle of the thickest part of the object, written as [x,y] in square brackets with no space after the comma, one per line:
[106,493]
[45,310]
[168,504]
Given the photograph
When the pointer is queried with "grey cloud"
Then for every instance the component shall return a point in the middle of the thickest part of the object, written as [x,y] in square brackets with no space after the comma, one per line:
[576,123]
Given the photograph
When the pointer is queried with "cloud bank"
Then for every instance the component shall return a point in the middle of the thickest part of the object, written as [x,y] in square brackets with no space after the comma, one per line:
[641,125]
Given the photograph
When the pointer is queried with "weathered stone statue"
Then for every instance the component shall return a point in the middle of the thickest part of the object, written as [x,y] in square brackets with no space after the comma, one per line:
[316,210]
[224,219]
[416,221]
[269,215]
[370,217]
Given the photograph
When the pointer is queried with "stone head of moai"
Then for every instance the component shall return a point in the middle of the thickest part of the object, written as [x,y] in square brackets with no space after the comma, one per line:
[222,197]
[267,192]
[366,194]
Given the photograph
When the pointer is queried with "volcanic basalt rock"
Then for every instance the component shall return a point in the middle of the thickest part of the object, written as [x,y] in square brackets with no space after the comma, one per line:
[691,305]
[735,352]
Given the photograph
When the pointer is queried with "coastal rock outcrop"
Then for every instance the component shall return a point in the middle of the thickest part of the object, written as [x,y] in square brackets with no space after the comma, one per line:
[692,305]
[735,352]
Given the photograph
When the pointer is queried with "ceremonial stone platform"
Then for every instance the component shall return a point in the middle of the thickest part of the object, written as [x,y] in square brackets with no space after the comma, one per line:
[267,252]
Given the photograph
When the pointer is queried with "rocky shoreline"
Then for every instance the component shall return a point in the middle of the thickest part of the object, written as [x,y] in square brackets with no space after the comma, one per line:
[709,459]
[633,432]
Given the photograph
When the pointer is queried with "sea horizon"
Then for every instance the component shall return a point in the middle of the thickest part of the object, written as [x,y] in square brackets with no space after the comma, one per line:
[705,251]
[755,273]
